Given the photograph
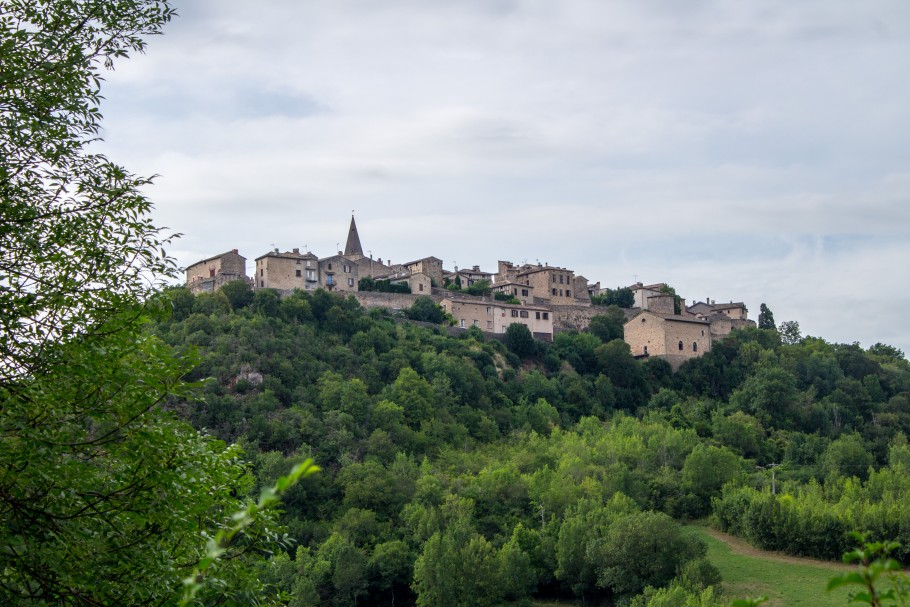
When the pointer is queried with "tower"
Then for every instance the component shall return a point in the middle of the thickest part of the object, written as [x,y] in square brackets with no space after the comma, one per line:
[352,248]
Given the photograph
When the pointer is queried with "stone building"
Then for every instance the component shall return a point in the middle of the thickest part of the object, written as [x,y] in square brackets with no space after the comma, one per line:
[524,293]
[469,277]
[642,293]
[496,316]
[552,285]
[339,273]
[287,271]
[431,266]
[675,338]
[723,317]
[210,274]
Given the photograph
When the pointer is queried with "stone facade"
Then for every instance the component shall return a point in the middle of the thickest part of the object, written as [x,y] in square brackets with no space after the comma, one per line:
[496,316]
[431,266]
[287,271]
[338,273]
[524,293]
[641,293]
[210,274]
[469,277]
[551,285]
[675,338]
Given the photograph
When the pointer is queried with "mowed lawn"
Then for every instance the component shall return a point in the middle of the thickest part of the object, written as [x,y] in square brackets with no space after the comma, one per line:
[786,581]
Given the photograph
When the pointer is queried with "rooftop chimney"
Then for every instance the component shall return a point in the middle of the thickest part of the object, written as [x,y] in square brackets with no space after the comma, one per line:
[296,250]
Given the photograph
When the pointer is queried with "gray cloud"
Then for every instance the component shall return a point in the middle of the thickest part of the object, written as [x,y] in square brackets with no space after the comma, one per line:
[750,150]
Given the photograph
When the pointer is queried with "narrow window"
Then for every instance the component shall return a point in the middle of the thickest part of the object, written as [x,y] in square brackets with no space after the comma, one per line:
[554,291]
[350,282]
[211,272]
[538,315]
[568,293]
[489,310]
[330,266]
[524,313]
[646,349]
[694,346]
[680,346]
[262,271]
[420,287]
[514,313]
[489,324]
[546,316]
[462,322]
[297,272]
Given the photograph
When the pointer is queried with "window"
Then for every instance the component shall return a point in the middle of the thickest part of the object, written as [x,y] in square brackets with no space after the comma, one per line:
[514,313]
[347,269]
[568,293]
[523,314]
[462,322]
[680,346]
[554,291]
[524,292]
[330,266]
[328,280]
[554,278]
[560,279]
[308,263]
[702,332]
[298,262]
[489,310]
[538,315]
[560,292]
[420,287]
[474,322]
[694,346]
[489,324]
[546,316]
[350,282]
[211,272]
[261,271]
[297,273]
[642,320]
[646,349]
[311,275]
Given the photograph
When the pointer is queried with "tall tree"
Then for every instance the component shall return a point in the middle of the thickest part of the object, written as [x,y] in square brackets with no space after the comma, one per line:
[103,496]
[765,318]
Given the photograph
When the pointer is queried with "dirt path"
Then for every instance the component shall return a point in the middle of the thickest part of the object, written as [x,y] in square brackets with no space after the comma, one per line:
[741,547]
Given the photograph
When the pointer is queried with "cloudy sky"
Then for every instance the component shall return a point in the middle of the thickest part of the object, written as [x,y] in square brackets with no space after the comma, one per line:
[756,151]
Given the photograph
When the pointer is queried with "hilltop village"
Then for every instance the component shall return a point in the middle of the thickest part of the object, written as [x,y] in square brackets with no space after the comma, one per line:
[547,299]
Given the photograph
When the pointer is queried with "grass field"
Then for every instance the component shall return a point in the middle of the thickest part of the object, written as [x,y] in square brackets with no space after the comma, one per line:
[786,581]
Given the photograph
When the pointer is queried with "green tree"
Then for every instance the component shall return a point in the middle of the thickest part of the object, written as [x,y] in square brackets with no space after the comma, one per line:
[608,326]
[426,310]
[789,332]
[239,294]
[104,497]
[766,318]
[519,340]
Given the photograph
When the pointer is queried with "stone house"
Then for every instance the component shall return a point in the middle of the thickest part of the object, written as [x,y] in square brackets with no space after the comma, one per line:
[211,273]
[496,316]
[552,285]
[675,338]
[642,293]
[339,273]
[723,317]
[431,266]
[287,271]
[469,277]
[524,293]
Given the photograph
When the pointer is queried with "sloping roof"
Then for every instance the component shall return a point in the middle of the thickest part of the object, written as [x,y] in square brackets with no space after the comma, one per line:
[214,257]
[671,317]
[353,245]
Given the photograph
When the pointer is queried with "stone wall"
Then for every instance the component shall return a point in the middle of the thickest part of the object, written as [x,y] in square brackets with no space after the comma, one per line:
[393,301]
[577,318]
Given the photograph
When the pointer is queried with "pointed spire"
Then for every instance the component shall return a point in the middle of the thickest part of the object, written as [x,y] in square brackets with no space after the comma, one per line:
[353,248]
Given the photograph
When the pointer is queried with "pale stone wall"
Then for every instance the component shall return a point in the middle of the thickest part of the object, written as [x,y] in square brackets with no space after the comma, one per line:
[554,285]
[660,304]
[287,271]
[420,284]
[676,338]
[577,318]
[339,274]
[495,317]
[210,274]
[431,266]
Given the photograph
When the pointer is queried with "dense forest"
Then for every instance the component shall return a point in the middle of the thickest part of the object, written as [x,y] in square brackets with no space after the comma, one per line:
[469,471]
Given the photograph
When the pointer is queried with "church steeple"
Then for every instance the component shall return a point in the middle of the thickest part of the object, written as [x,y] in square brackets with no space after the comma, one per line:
[353,248]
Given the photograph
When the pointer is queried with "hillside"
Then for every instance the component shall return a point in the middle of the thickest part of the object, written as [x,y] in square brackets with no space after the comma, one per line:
[460,471]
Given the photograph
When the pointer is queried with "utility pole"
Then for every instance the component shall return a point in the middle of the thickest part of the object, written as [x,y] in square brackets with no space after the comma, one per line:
[773,477]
